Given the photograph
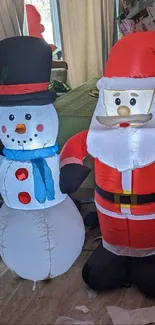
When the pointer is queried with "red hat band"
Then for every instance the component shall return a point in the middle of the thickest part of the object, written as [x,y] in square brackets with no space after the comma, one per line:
[23,88]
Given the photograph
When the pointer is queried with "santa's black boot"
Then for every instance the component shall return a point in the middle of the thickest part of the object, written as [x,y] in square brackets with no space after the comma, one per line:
[105,270]
[143,274]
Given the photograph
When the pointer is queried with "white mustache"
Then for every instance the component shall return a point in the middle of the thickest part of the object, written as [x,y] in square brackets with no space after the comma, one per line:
[115,120]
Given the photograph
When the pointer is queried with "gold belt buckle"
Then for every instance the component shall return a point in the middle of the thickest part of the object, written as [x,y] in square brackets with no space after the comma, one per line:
[117,198]
[133,198]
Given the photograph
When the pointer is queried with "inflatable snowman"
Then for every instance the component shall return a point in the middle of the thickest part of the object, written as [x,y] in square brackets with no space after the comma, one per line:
[41,230]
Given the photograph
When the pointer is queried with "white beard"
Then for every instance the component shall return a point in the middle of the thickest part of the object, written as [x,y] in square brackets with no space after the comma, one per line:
[121,148]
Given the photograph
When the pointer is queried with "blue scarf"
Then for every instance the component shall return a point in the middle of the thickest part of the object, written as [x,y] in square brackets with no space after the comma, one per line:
[43,180]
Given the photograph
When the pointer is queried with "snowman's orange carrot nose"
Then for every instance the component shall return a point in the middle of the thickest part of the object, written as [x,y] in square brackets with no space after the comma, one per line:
[20,128]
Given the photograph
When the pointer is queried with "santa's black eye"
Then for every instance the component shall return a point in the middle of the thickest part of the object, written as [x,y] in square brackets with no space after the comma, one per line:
[28,117]
[117,101]
[11,117]
[133,101]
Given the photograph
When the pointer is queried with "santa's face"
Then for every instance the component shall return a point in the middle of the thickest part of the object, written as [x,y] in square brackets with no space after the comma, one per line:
[28,127]
[127,102]
[128,106]
[122,131]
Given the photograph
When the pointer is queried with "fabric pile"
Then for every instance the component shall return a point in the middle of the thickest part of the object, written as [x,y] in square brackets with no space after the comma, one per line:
[136,16]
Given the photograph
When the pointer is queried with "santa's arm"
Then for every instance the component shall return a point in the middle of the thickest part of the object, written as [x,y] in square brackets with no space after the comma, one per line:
[73,172]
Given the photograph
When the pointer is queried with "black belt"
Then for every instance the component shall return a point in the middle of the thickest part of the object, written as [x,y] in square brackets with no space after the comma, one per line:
[129,199]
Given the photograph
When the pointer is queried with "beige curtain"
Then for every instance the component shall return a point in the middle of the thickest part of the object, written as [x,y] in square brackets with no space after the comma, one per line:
[11,18]
[87,28]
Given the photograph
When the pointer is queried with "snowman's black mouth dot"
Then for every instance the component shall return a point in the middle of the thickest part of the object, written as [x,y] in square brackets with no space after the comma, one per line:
[18,141]
[24,141]
[30,139]
[8,136]
[36,135]
[13,140]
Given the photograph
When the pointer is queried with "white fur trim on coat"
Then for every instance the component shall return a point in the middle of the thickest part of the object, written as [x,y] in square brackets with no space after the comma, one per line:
[126,83]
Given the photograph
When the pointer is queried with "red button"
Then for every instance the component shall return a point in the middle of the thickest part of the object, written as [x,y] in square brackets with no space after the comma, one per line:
[124,125]
[24,197]
[22,174]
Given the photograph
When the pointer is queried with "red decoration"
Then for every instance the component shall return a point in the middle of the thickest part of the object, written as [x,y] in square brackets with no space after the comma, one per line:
[24,197]
[34,23]
[23,88]
[22,174]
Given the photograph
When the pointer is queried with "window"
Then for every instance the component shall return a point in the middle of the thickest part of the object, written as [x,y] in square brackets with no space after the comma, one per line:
[49,14]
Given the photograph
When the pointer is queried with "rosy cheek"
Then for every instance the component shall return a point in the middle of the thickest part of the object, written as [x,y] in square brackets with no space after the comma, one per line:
[3,129]
[39,127]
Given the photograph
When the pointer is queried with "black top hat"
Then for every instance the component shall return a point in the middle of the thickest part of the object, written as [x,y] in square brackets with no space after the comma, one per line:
[25,69]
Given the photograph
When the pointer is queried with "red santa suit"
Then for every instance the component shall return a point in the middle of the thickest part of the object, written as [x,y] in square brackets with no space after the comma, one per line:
[125,201]
[122,142]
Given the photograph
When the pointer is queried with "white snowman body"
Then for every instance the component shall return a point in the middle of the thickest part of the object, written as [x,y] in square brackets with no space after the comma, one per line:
[17,184]
[41,244]
[37,240]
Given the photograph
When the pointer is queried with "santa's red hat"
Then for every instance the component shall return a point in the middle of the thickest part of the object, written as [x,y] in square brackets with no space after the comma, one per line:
[131,63]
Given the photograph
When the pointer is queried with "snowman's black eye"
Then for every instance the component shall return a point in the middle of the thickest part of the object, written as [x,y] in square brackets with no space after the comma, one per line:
[11,117]
[133,101]
[28,117]
[117,101]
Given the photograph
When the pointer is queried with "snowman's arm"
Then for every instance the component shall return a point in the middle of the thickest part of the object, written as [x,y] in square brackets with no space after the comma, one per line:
[73,172]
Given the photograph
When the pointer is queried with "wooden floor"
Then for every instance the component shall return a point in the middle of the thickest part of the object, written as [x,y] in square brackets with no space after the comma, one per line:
[61,296]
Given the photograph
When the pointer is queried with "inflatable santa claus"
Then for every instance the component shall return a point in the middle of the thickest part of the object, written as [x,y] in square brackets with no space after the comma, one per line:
[121,138]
